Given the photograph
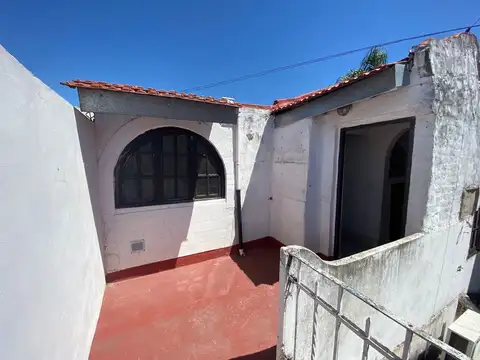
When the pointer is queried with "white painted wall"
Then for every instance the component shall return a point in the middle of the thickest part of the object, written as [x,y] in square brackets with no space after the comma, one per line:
[51,276]
[419,277]
[290,163]
[170,231]
[88,145]
[366,152]
[410,101]
[255,166]
[409,277]
[304,166]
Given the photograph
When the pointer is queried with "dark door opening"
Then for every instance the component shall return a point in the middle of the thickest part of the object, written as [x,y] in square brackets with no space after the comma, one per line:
[396,223]
[372,186]
[395,194]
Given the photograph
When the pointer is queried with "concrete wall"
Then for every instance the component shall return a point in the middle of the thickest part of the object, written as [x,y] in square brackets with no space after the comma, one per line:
[88,145]
[170,231]
[255,166]
[456,104]
[51,281]
[290,162]
[409,277]
[305,160]
[420,276]
[413,100]
[366,153]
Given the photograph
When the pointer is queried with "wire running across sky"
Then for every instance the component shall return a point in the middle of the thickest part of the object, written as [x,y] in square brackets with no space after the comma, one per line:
[323,58]
[474,24]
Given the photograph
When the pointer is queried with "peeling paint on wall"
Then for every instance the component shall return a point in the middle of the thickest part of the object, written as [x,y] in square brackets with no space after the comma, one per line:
[420,277]
[255,166]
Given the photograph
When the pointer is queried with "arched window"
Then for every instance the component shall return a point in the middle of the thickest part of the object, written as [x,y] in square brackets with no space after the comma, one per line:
[168,165]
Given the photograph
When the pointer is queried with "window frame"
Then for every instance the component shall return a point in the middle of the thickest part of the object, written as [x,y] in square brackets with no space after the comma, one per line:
[197,148]
[474,246]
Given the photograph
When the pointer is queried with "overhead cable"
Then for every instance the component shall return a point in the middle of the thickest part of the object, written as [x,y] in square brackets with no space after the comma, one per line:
[323,58]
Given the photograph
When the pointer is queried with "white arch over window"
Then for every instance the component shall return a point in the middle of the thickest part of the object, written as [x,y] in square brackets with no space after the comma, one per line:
[168,165]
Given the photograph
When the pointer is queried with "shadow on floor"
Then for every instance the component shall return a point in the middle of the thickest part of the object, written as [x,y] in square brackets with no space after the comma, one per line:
[267,354]
[431,353]
[260,263]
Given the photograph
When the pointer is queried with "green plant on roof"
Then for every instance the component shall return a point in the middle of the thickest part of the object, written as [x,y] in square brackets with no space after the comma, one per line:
[375,57]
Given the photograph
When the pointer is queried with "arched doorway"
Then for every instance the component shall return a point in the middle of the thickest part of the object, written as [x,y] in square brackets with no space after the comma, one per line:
[395,189]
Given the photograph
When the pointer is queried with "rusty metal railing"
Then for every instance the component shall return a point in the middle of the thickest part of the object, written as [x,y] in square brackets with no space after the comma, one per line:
[341,319]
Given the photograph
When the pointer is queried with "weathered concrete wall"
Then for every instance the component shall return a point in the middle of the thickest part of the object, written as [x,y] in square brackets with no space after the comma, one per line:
[413,100]
[456,151]
[114,102]
[291,144]
[401,276]
[305,164]
[419,276]
[52,280]
[456,105]
[174,230]
[255,167]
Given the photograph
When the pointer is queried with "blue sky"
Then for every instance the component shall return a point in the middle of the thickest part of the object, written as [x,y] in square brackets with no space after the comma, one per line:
[176,45]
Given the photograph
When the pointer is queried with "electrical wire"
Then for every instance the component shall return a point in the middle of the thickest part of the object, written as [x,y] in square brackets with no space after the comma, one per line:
[475,23]
[320,59]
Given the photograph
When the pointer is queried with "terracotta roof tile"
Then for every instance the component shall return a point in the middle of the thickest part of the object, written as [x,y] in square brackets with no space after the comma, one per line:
[256,106]
[133,89]
[286,104]
[278,105]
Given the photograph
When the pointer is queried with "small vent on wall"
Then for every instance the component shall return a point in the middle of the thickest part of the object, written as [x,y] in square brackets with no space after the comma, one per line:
[137,246]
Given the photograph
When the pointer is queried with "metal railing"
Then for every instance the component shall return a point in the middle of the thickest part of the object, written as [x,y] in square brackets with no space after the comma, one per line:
[341,319]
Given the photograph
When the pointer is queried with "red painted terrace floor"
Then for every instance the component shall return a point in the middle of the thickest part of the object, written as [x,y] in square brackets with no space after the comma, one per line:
[224,308]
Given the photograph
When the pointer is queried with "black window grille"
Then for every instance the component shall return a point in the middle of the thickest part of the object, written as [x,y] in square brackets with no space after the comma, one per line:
[168,165]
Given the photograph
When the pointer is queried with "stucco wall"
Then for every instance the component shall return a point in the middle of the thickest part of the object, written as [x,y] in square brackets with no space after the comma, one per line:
[305,164]
[456,150]
[51,281]
[170,231]
[366,152]
[409,101]
[255,166]
[408,277]
[290,163]
[456,105]
[420,276]
[88,145]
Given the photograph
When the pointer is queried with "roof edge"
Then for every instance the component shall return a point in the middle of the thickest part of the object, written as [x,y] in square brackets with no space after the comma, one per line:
[282,105]
[278,106]
[139,90]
